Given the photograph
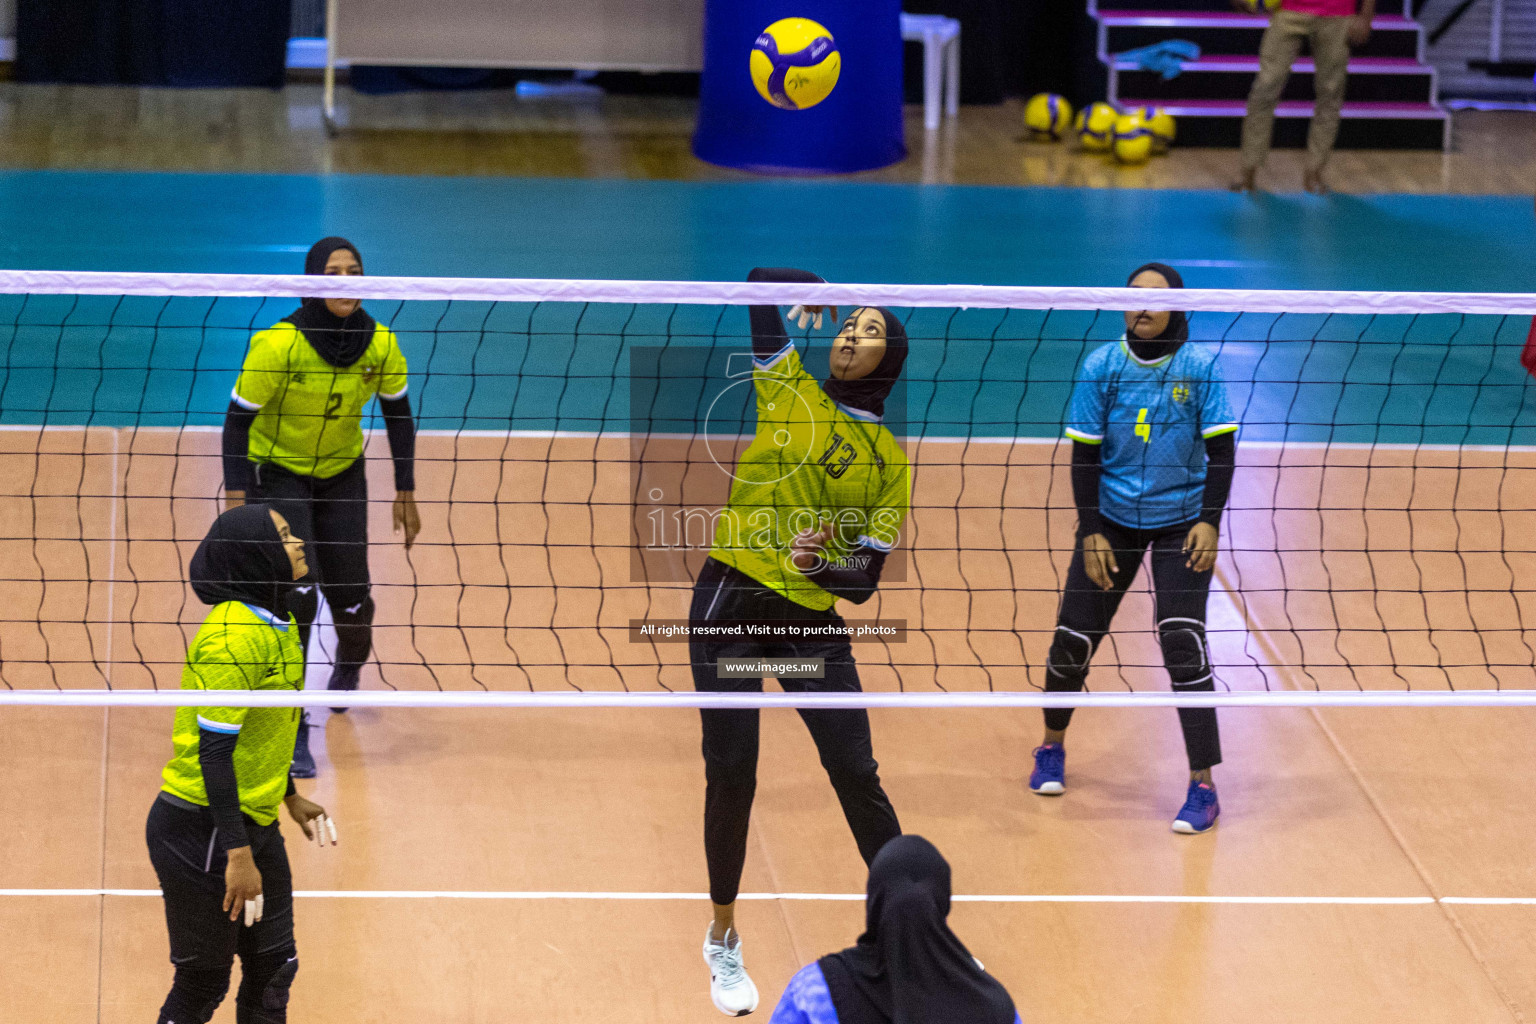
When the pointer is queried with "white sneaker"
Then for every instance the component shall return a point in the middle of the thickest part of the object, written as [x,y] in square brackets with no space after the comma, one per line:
[729,986]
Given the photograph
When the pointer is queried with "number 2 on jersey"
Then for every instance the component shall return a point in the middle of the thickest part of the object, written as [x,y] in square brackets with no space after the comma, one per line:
[1143,428]
[333,406]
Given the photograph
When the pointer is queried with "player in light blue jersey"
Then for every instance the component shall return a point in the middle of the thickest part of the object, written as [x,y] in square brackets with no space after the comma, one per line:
[1153,450]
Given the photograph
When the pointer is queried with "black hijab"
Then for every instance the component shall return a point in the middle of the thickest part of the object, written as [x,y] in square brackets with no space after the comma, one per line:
[243,559]
[908,967]
[341,341]
[868,392]
[1150,350]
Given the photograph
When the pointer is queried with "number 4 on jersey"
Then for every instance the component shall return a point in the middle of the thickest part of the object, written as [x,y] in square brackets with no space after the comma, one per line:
[1143,428]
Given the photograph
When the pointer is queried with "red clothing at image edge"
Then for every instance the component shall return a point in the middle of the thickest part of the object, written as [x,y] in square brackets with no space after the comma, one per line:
[1322,8]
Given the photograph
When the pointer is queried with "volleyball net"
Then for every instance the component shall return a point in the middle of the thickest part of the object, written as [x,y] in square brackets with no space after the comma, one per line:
[577,442]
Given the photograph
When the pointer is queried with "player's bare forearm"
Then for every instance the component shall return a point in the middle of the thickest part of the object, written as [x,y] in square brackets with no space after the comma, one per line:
[233,499]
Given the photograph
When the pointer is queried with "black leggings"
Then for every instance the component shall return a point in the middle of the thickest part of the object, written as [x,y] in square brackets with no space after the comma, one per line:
[189,861]
[331,517]
[730,735]
[1180,596]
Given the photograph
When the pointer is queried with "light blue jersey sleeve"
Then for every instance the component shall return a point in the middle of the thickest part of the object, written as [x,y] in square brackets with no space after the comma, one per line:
[806,1000]
[1216,417]
[1089,409]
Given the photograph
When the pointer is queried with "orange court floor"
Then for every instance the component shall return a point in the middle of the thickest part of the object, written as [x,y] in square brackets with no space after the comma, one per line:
[1371,865]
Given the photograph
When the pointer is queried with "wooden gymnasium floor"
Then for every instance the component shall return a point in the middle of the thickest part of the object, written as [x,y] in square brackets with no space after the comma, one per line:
[558,851]
[1372,866]
[643,137]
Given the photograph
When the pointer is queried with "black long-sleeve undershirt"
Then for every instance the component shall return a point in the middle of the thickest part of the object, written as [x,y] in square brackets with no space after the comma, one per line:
[216,756]
[237,446]
[1220,465]
[1088,469]
[768,334]
[856,579]
[399,426]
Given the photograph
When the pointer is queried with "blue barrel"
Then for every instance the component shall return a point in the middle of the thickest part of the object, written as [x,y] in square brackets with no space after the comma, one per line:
[856,128]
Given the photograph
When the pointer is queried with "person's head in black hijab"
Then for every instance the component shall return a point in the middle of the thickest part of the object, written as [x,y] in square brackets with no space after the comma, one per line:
[908,967]
[866,358]
[249,555]
[337,328]
[1153,334]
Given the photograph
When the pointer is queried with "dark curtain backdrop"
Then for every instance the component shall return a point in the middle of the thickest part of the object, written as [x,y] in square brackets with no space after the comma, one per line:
[1016,48]
[153,42]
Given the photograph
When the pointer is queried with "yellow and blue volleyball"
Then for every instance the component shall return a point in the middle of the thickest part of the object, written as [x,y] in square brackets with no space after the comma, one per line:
[1048,114]
[795,63]
[1163,128]
[1133,139]
[1096,127]
[1259,6]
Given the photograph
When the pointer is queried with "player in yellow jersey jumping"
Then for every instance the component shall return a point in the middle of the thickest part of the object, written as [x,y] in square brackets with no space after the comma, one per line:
[293,438]
[817,503]
[212,832]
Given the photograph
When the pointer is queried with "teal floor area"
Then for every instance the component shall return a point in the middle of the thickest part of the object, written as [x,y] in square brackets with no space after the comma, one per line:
[1442,379]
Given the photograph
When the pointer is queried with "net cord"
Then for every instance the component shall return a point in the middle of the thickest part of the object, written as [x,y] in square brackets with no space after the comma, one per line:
[69,282]
[686,699]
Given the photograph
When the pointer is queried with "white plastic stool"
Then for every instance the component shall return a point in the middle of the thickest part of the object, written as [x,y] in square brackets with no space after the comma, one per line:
[940,37]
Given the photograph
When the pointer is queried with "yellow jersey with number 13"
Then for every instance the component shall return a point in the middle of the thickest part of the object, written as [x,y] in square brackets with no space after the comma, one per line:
[310,418]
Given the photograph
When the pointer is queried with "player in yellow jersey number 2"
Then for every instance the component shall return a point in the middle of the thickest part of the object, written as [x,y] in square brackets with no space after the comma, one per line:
[293,438]
[212,832]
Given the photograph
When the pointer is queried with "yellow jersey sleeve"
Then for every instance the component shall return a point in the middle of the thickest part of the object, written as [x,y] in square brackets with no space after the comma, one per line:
[266,366]
[231,656]
[392,381]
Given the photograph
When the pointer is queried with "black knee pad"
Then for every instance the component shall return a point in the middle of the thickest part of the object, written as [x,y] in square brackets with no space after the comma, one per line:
[1067,662]
[264,985]
[350,605]
[1185,653]
[195,995]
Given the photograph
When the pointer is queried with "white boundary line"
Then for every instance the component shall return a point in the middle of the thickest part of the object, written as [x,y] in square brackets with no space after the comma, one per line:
[66,282]
[813,897]
[688,699]
[829,897]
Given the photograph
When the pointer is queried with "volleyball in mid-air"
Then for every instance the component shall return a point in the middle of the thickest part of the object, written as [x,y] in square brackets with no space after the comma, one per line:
[795,63]
[1259,6]
[1133,139]
[1048,114]
[1095,127]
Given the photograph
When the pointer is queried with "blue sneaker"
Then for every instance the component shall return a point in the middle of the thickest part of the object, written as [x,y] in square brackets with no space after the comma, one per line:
[1050,775]
[303,761]
[1199,811]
